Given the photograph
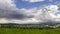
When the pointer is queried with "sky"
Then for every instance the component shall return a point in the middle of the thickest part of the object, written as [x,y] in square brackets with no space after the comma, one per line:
[29,11]
[34,3]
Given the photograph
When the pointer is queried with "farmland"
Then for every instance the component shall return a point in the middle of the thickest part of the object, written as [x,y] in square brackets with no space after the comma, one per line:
[14,30]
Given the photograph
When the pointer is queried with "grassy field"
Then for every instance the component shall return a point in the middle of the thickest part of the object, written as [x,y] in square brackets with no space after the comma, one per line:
[4,30]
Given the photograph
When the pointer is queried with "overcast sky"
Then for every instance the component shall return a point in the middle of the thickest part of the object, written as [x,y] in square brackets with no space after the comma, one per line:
[29,11]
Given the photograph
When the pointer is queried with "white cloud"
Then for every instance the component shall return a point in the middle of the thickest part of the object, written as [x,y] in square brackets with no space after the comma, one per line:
[7,4]
[52,9]
[31,12]
[8,7]
[47,13]
[38,15]
[34,0]
[42,15]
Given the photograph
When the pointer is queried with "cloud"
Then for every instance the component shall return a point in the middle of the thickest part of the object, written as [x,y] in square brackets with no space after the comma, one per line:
[51,10]
[7,4]
[7,7]
[10,14]
[8,10]
[58,5]
[47,13]
[34,0]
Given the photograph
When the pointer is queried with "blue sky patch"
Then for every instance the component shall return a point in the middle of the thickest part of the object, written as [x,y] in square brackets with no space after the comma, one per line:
[24,4]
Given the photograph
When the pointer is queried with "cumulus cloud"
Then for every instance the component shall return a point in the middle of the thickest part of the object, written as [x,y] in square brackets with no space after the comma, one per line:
[7,4]
[7,7]
[8,10]
[47,13]
[9,13]
[51,10]
[34,0]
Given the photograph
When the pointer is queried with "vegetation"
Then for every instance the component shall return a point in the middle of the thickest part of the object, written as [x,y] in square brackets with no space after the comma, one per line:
[44,28]
[18,30]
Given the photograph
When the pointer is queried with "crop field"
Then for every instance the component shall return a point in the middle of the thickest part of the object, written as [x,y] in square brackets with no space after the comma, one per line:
[5,30]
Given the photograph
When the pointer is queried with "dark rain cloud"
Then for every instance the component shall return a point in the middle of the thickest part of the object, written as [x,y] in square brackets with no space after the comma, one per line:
[13,14]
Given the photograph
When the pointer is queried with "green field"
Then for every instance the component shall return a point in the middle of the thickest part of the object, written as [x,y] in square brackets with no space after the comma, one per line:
[4,30]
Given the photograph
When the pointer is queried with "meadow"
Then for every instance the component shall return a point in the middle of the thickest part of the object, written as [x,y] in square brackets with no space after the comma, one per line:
[5,30]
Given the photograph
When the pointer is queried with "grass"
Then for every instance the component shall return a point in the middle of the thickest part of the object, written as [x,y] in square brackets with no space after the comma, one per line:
[6,30]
